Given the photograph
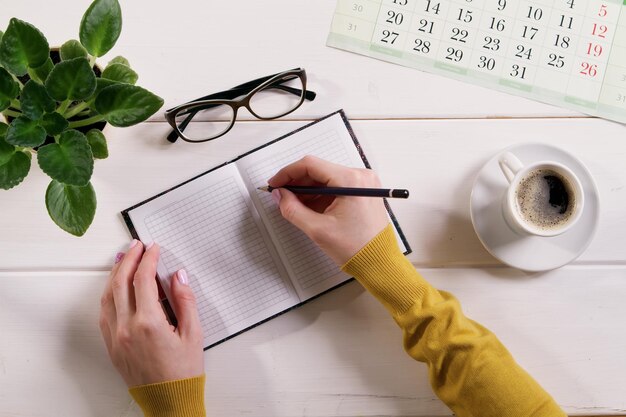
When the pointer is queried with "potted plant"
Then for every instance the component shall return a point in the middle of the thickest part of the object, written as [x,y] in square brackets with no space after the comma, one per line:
[56,103]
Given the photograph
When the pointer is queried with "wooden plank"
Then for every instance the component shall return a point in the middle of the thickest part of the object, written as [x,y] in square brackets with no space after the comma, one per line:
[436,160]
[201,47]
[340,355]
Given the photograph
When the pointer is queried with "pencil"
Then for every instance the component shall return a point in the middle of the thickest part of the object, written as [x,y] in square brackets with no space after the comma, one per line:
[344,191]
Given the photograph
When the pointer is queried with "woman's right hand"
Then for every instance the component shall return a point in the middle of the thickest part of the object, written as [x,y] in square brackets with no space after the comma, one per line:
[339,225]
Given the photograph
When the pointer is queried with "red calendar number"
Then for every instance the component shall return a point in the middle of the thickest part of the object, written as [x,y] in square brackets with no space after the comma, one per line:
[599,30]
[588,69]
[594,49]
[602,12]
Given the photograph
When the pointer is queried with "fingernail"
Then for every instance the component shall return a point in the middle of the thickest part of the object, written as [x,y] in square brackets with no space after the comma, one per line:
[149,245]
[133,243]
[182,277]
[276,196]
[268,181]
[119,257]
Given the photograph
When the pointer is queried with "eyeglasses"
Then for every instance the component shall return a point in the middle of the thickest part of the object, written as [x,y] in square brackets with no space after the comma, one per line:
[266,98]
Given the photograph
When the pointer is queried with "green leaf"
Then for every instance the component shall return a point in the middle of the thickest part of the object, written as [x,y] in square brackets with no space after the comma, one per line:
[121,73]
[101,26]
[72,79]
[71,208]
[54,123]
[98,144]
[43,71]
[14,167]
[6,151]
[124,105]
[72,49]
[23,46]
[25,132]
[70,161]
[1,35]
[101,84]
[9,89]
[119,60]
[35,100]
[3,130]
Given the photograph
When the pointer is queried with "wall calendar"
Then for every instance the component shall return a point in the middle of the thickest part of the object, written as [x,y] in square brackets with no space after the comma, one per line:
[570,53]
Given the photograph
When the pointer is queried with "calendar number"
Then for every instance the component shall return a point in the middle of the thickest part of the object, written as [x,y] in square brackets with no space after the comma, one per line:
[492,44]
[351,27]
[459,35]
[566,21]
[562,41]
[497,25]
[501,4]
[454,54]
[535,13]
[422,46]
[594,49]
[430,7]
[425,26]
[389,37]
[602,12]
[394,17]
[357,8]
[523,52]
[599,30]
[464,15]
[556,61]
[589,69]
[400,2]
[518,71]
[488,63]
[621,98]
[529,32]
[570,3]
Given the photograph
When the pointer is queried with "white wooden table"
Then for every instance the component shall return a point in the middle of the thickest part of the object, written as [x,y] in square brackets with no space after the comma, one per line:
[340,355]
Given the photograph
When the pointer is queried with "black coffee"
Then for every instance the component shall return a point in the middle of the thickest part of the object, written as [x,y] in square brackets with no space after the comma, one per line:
[545,199]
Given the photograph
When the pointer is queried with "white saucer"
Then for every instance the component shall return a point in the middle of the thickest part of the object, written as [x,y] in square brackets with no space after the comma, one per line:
[531,253]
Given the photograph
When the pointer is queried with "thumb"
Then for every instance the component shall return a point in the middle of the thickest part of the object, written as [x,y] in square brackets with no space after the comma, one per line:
[184,305]
[296,213]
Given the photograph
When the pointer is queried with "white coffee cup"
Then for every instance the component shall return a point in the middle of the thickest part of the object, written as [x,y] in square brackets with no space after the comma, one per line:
[516,173]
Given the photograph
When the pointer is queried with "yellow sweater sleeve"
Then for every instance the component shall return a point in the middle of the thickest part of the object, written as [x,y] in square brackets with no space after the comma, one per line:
[469,369]
[180,398]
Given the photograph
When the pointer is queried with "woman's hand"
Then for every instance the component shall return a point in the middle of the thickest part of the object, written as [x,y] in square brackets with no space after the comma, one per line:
[142,344]
[339,225]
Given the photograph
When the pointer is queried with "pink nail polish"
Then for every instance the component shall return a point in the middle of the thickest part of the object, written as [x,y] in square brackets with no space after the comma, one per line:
[133,243]
[119,257]
[182,277]
[276,196]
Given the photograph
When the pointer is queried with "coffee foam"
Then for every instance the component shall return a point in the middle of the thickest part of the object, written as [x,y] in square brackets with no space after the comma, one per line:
[545,199]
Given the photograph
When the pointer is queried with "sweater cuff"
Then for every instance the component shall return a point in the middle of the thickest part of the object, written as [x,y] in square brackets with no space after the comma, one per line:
[180,398]
[384,271]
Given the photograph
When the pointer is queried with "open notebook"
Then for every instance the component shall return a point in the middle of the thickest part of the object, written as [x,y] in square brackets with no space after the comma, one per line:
[246,264]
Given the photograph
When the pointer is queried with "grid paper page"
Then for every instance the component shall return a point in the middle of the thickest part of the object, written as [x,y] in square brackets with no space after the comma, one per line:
[310,269]
[212,233]
[570,53]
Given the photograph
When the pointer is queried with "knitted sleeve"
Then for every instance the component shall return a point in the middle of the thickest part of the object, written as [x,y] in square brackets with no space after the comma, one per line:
[469,369]
[180,398]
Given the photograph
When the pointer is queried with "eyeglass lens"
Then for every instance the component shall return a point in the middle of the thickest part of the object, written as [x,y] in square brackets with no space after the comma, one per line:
[209,121]
[278,98]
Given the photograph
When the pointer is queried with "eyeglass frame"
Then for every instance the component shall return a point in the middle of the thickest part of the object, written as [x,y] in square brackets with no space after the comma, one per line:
[229,98]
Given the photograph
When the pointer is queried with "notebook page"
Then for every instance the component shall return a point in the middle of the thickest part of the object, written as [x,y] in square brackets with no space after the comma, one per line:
[311,270]
[210,227]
